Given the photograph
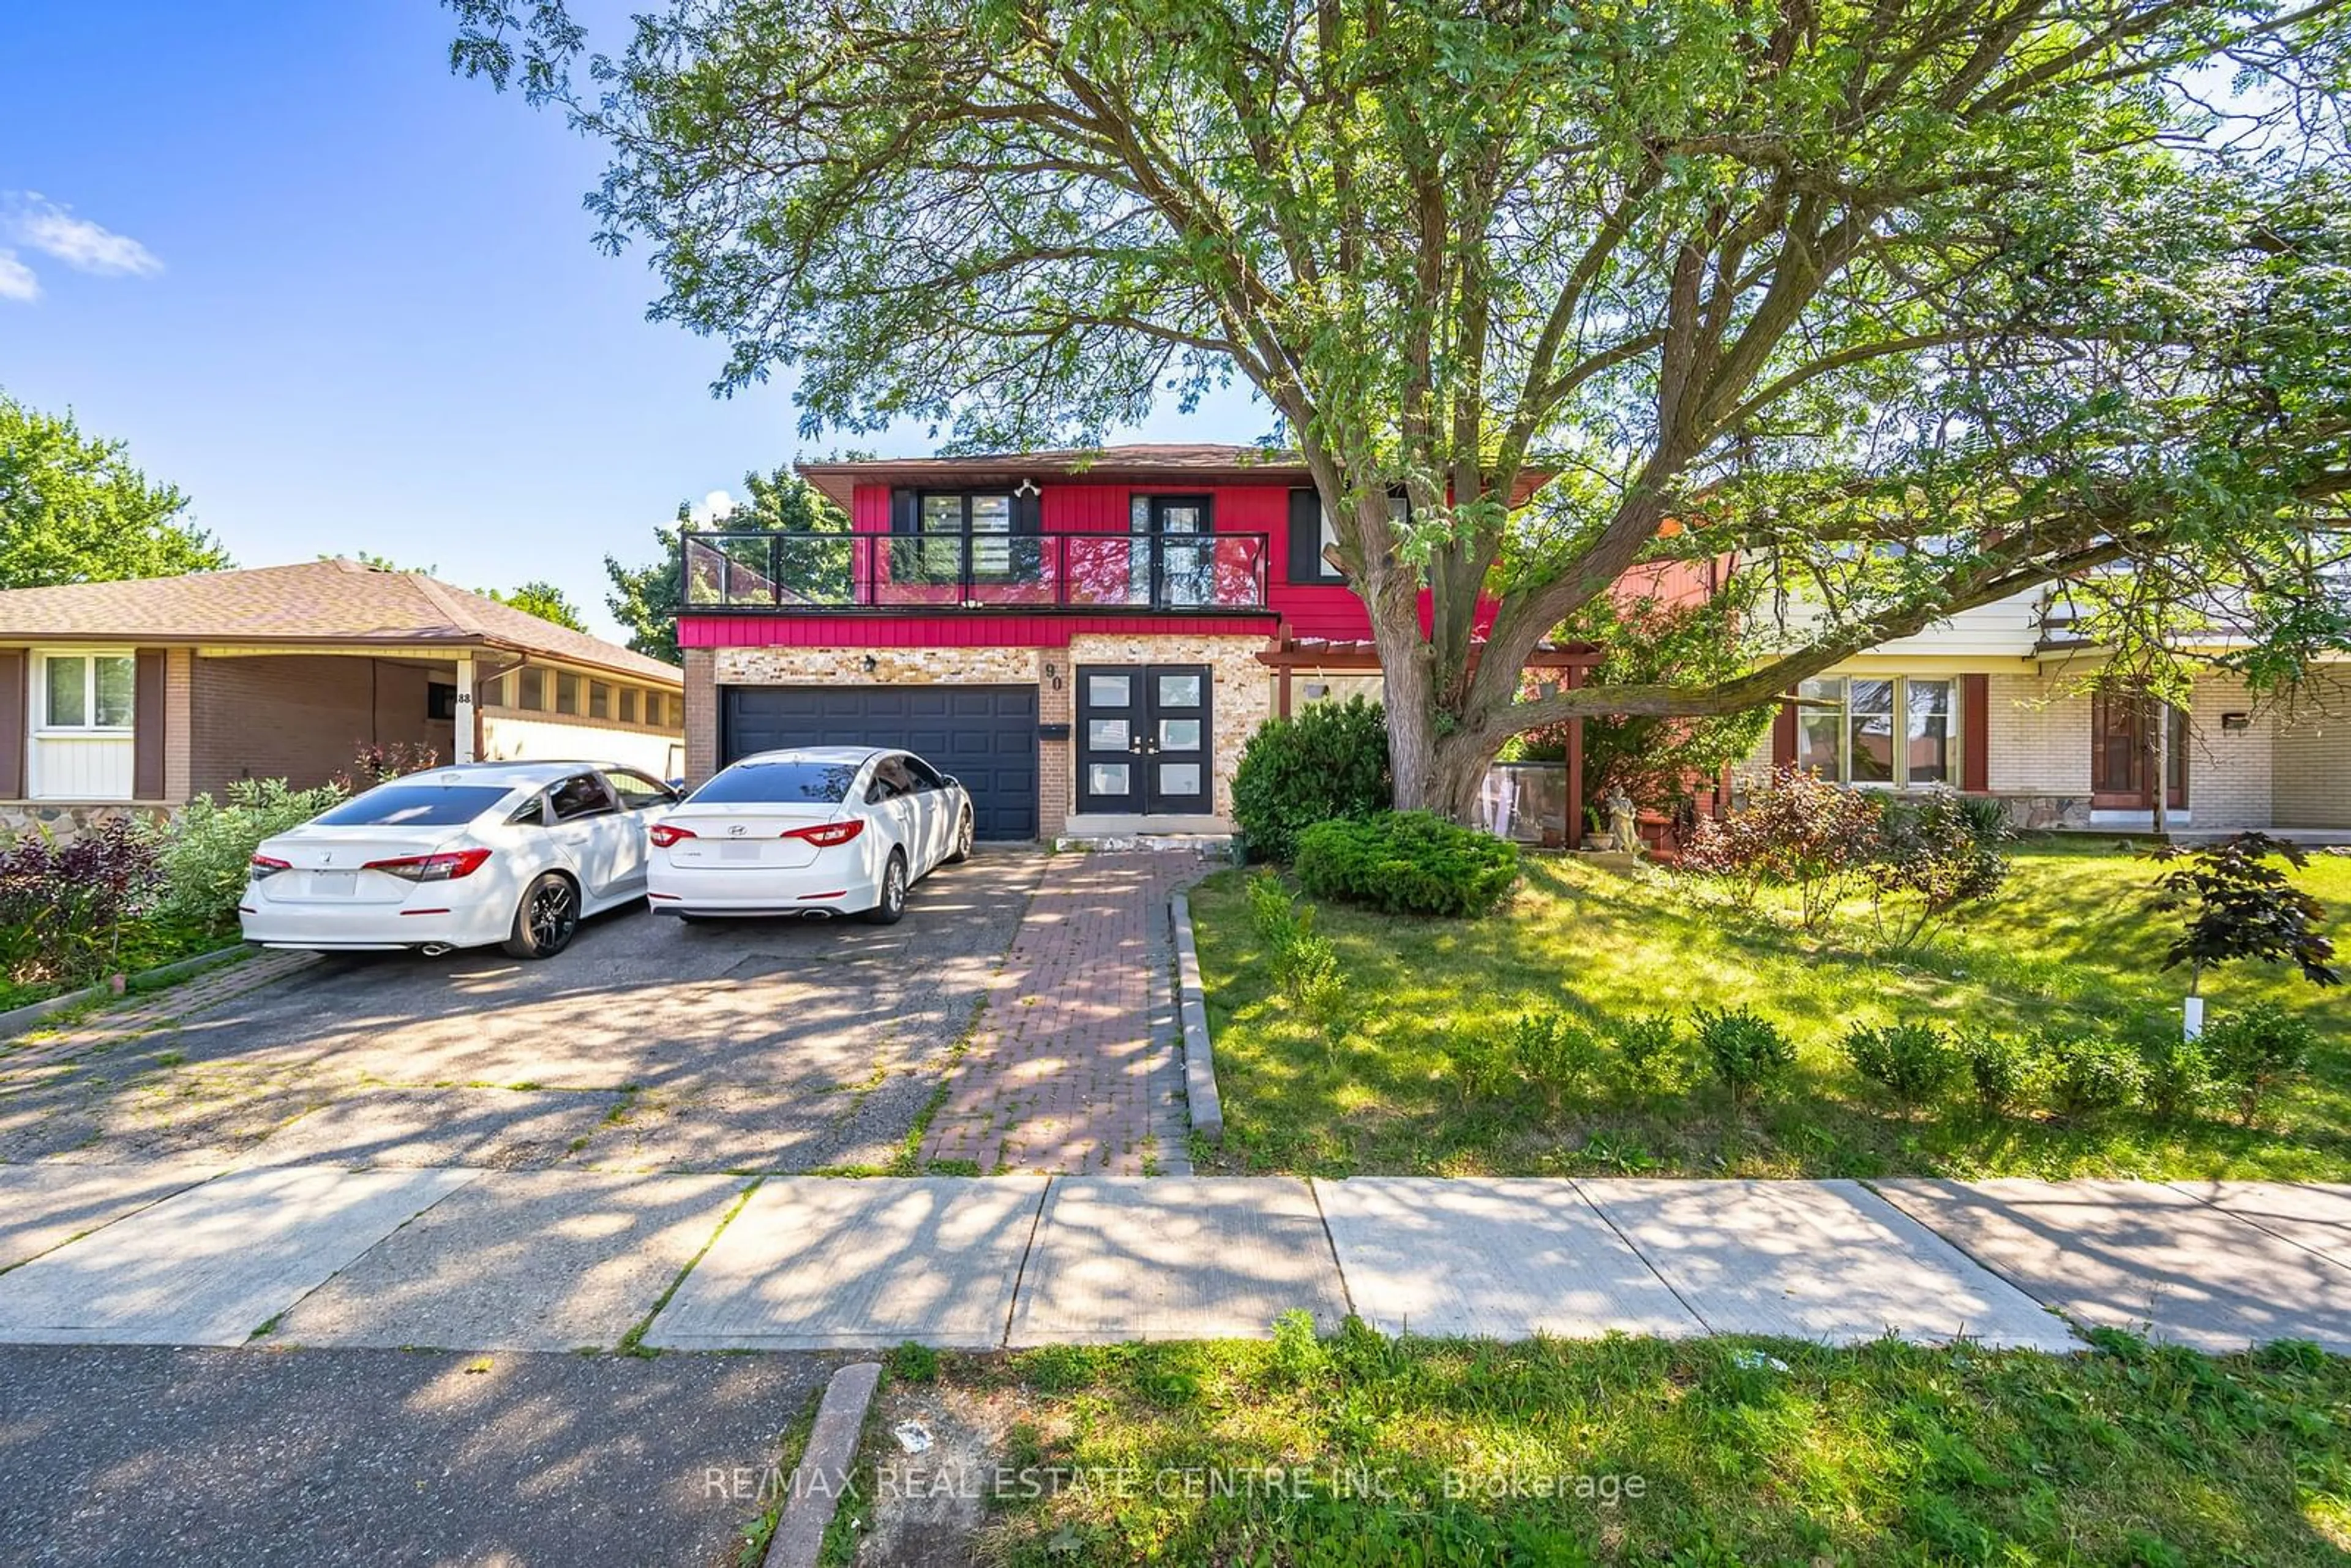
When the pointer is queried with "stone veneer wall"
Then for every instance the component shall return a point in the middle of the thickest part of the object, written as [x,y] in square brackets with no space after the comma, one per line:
[65,823]
[1241,700]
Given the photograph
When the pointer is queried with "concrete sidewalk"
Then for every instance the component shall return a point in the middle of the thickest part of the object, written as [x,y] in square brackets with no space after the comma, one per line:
[472,1260]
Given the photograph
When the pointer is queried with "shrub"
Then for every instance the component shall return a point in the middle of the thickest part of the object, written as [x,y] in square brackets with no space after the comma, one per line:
[1407,862]
[1746,1050]
[2242,907]
[1912,1062]
[2257,1052]
[1557,1056]
[63,907]
[1328,762]
[1935,856]
[2178,1078]
[2004,1070]
[1306,966]
[1274,915]
[2090,1072]
[1649,1053]
[1480,1064]
[1799,830]
[207,851]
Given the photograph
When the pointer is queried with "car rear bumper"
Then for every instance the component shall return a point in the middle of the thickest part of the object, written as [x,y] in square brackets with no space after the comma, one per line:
[375,926]
[818,889]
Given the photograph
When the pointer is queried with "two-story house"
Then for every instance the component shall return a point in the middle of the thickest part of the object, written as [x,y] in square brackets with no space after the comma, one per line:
[1085,639]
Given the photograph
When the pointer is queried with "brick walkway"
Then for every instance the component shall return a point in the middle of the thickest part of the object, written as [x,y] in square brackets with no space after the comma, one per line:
[146,1014]
[1076,1065]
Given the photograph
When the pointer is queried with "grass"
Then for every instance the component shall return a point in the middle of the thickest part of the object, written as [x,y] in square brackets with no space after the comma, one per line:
[1366,1451]
[2069,941]
[146,944]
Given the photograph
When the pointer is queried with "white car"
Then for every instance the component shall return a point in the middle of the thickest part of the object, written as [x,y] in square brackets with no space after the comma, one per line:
[511,853]
[822,830]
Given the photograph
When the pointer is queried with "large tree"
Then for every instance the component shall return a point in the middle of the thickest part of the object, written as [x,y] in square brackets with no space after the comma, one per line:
[544,600]
[645,599]
[1912,304]
[73,509]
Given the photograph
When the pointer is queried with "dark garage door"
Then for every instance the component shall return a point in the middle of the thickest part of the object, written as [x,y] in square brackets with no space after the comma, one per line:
[985,736]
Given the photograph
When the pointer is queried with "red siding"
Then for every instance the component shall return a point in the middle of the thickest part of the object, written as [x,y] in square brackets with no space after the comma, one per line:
[958,630]
[1067,506]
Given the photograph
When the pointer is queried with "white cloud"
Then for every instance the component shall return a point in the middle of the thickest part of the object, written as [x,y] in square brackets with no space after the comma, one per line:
[714,507]
[82,245]
[16,279]
[41,225]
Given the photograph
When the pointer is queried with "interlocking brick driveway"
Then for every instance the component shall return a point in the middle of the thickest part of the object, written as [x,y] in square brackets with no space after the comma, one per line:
[648,1045]
[1076,1066]
[754,1046]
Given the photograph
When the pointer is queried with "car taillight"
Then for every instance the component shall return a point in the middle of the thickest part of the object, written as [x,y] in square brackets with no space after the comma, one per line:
[268,865]
[446,867]
[827,834]
[664,835]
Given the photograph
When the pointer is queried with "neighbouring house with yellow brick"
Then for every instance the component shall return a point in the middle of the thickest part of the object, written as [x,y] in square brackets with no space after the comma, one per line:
[2002,701]
[140,696]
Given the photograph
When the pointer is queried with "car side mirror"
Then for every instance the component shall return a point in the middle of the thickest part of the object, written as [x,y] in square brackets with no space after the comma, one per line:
[951,781]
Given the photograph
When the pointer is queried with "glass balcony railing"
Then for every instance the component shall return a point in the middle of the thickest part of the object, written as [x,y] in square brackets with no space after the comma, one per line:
[819,573]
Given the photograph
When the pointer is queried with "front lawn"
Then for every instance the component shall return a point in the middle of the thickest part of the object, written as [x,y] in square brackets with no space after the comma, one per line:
[1365,1451]
[2068,942]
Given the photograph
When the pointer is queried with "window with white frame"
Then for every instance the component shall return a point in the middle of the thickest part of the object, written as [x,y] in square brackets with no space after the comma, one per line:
[1901,731]
[88,691]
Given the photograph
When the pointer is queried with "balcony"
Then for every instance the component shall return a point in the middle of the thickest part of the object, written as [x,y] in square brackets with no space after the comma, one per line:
[932,573]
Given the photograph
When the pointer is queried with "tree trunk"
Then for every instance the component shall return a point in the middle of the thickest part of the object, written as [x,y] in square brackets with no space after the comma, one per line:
[1461,779]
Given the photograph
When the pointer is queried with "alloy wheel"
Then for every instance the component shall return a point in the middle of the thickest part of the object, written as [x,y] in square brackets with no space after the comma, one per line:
[553,914]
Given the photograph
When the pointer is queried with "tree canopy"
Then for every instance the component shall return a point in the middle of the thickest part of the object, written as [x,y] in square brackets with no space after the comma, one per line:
[645,599]
[544,600]
[1911,304]
[74,509]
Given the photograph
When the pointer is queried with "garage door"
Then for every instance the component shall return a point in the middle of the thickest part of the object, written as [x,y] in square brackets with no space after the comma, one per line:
[985,736]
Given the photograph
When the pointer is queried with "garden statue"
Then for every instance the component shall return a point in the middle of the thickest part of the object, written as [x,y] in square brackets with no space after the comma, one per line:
[1623,827]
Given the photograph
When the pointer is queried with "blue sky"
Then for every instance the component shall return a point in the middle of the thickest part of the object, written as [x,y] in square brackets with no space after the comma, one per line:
[348,301]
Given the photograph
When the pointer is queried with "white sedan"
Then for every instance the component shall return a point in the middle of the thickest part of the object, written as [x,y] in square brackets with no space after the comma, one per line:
[510,852]
[824,830]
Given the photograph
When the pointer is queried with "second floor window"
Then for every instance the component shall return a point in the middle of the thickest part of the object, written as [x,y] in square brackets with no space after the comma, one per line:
[945,519]
[1893,730]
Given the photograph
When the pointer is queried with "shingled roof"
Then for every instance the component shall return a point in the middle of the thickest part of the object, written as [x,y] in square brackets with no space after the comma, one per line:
[332,601]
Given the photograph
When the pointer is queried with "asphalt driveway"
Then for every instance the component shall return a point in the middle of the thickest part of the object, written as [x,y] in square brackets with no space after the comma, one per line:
[648,1045]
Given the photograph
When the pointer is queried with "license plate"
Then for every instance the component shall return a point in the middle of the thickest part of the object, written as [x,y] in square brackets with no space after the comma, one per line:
[334,884]
[738,852]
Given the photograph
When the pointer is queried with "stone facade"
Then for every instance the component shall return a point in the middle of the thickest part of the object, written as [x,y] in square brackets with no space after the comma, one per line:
[1241,697]
[1242,700]
[66,824]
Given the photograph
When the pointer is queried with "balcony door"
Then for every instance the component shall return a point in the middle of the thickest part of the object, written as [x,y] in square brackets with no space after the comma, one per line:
[2121,753]
[1142,740]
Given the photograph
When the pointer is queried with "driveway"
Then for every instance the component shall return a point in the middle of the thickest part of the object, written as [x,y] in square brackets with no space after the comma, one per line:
[648,1045]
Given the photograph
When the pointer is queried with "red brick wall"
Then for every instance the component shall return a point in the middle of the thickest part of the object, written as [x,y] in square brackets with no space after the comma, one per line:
[300,719]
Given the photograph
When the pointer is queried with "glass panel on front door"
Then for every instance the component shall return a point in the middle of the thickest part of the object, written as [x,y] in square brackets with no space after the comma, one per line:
[1145,734]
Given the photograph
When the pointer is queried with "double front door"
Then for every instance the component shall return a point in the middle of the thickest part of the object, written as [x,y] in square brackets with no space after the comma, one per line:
[1144,739]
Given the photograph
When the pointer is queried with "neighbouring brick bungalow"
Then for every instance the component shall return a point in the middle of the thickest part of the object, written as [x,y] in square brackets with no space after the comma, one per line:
[145,694]
[1995,702]
[1085,639]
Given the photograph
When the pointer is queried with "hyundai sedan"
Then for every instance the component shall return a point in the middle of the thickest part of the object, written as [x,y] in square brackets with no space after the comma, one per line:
[514,853]
[820,830]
